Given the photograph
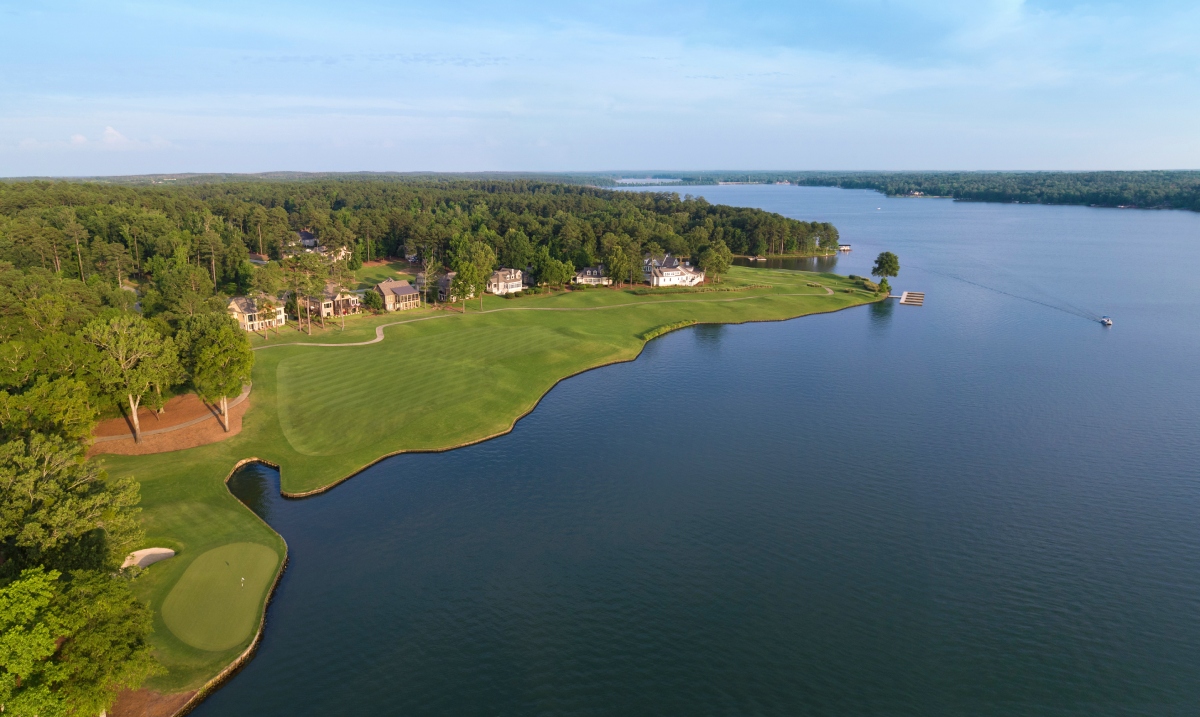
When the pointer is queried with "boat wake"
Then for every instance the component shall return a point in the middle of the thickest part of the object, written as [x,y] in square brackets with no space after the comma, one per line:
[1054,303]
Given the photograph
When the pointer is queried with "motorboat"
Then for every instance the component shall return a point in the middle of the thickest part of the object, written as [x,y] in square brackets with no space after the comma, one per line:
[1104,320]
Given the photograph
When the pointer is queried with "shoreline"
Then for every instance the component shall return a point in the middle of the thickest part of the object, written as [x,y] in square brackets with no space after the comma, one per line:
[244,658]
[265,435]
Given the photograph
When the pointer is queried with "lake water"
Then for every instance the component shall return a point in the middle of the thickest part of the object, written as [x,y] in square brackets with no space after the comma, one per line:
[989,505]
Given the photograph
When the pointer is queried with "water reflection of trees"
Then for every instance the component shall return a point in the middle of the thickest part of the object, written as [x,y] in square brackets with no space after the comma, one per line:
[255,485]
[881,313]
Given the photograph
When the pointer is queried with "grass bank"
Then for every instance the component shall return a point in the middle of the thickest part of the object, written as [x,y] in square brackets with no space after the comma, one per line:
[438,379]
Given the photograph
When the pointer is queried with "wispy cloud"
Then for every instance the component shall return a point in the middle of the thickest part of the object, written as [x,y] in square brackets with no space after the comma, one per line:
[919,83]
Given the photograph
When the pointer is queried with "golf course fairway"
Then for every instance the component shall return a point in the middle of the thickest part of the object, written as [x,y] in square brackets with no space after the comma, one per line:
[437,380]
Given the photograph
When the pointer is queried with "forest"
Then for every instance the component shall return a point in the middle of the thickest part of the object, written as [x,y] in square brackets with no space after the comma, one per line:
[80,229]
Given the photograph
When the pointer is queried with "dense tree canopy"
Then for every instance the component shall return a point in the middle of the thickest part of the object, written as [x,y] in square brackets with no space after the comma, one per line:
[194,239]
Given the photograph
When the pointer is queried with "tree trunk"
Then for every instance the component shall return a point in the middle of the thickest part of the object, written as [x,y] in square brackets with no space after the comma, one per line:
[225,412]
[260,251]
[308,313]
[136,256]
[133,415]
[212,255]
[79,255]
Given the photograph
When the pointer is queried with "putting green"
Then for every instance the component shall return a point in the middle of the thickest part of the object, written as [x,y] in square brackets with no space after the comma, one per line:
[209,608]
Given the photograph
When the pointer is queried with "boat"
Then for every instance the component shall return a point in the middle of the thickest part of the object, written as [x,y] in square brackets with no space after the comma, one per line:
[844,247]
[760,257]
[1105,321]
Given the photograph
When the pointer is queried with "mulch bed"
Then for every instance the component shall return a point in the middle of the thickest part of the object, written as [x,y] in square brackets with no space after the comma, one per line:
[148,703]
[180,409]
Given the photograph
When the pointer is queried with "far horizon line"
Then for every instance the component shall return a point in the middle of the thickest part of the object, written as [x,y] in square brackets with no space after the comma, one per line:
[661,174]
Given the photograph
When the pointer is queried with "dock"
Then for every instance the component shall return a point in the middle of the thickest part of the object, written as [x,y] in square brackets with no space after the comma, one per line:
[913,298]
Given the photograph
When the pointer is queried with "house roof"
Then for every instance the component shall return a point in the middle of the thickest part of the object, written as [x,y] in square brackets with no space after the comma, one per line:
[505,274]
[591,271]
[243,305]
[396,287]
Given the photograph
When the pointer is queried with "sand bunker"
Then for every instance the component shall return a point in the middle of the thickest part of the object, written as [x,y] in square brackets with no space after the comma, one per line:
[147,557]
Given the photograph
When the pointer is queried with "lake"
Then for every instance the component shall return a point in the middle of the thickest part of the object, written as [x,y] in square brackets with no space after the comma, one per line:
[987,505]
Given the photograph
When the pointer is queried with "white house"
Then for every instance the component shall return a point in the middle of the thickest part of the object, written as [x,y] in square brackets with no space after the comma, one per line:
[593,275]
[258,315]
[506,281]
[669,271]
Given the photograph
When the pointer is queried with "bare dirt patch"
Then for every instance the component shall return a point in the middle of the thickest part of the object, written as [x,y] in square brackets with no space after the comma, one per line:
[197,434]
[148,703]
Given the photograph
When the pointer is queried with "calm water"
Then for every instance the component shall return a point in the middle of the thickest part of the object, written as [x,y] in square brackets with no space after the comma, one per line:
[985,506]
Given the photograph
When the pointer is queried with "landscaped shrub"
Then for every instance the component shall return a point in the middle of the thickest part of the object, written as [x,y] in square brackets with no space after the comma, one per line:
[666,328]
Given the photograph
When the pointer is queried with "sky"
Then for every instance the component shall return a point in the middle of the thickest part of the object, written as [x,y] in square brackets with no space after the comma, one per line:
[107,88]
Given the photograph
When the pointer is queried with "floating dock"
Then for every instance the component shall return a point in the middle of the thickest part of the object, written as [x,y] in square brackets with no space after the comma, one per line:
[913,298]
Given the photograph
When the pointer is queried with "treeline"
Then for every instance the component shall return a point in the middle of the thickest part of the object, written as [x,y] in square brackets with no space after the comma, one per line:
[1146,190]
[79,230]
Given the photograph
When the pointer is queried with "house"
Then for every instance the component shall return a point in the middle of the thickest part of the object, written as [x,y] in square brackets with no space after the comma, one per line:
[670,271]
[506,281]
[398,295]
[308,240]
[334,302]
[258,315]
[445,288]
[340,254]
[593,275]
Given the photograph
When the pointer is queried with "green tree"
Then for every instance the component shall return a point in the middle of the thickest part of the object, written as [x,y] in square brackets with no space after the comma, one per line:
[59,510]
[556,273]
[67,647]
[484,259]
[61,406]
[617,263]
[217,355]
[306,274]
[467,278]
[372,300]
[716,259]
[134,358]
[886,264]
[517,251]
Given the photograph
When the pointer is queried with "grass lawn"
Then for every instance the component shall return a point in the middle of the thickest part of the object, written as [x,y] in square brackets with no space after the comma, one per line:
[214,606]
[368,275]
[450,378]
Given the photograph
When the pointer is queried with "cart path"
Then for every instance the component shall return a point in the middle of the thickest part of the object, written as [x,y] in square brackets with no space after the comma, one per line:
[379,329]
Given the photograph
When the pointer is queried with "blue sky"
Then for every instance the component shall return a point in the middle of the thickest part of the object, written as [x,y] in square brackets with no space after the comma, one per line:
[137,87]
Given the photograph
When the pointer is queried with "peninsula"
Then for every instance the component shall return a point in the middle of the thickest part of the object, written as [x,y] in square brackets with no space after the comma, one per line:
[354,358]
